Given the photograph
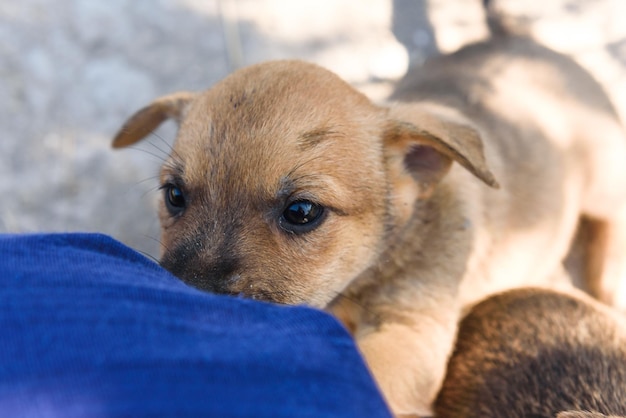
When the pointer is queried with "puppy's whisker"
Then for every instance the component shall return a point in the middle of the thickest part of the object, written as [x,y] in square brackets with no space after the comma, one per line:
[150,190]
[158,157]
[137,184]
[151,178]
[159,149]
[161,243]
[172,152]
[148,255]
[159,137]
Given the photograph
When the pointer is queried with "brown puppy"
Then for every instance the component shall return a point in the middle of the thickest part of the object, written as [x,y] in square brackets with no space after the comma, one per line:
[537,353]
[286,184]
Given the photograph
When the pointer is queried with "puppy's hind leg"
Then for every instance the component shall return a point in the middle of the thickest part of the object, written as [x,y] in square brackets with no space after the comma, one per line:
[604,207]
[606,260]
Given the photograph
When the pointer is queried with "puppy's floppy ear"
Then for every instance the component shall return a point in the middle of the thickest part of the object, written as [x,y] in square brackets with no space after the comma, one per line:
[423,140]
[150,117]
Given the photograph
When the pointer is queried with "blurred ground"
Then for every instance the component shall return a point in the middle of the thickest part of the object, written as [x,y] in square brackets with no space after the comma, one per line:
[72,71]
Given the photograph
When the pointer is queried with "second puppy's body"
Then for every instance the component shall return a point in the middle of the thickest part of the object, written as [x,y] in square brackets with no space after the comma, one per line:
[286,184]
[537,353]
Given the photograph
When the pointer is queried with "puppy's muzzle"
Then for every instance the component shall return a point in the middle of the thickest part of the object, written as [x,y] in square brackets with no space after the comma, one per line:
[213,273]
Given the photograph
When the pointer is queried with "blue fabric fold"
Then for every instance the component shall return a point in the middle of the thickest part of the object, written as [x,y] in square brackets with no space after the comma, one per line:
[91,328]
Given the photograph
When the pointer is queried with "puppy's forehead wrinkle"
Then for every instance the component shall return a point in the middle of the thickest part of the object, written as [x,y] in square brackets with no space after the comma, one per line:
[310,139]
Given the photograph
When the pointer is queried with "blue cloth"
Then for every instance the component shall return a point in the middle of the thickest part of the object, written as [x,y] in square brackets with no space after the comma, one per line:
[90,328]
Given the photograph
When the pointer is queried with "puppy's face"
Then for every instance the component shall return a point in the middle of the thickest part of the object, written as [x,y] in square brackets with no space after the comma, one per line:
[277,187]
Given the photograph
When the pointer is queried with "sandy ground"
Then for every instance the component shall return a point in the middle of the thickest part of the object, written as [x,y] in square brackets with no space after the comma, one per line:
[72,71]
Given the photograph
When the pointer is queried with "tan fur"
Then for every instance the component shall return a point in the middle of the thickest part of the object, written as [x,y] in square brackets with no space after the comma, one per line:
[537,353]
[471,181]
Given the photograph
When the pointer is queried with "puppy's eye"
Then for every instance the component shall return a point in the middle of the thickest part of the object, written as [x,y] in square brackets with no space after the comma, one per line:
[174,199]
[302,216]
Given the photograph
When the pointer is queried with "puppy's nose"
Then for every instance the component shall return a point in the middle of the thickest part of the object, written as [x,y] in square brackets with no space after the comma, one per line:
[221,270]
[218,275]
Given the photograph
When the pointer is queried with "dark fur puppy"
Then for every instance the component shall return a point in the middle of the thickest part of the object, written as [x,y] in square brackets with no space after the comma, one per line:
[537,353]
